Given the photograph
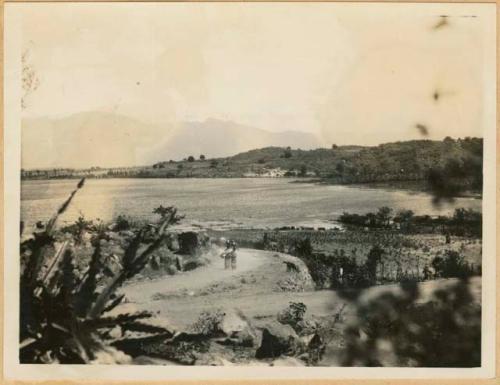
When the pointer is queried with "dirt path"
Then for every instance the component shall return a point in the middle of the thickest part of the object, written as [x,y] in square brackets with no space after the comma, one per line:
[191,281]
[252,288]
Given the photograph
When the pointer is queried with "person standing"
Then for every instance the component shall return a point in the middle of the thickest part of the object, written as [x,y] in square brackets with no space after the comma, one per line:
[233,255]
[227,255]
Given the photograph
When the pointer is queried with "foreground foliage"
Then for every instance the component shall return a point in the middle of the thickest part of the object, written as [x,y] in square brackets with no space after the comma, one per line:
[66,314]
[397,329]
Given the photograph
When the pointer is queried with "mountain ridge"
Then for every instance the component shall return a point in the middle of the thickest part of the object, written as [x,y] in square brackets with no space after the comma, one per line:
[103,139]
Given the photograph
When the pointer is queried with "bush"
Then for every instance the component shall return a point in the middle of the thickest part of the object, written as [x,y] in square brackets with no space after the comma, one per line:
[444,332]
[122,223]
[293,315]
[78,228]
[451,266]
[372,262]
[303,248]
[320,270]
[208,323]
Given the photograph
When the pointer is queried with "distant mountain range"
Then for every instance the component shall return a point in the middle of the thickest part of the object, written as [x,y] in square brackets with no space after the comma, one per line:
[109,140]
[216,138]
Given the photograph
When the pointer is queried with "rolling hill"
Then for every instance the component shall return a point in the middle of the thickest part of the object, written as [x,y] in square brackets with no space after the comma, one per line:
[453,162]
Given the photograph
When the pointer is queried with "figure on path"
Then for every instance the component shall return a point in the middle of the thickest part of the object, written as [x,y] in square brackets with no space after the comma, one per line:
[229,255]
[233,255]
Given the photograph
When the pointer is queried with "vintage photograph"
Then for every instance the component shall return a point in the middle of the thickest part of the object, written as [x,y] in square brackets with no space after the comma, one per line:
[252,184]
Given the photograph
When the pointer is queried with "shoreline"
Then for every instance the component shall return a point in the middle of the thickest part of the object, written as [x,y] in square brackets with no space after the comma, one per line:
[408,186]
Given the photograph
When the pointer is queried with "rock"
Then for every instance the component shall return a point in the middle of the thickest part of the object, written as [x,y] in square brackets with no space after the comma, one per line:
[244,338]
[315,348]
[110,355]
[306,327]
[213,360]
[146,360]
[116,332]
[189,337]
[172,242]
[238,329]
[216,355]
[171,269]
[233,321]
[186,349]
[298,278]
[312,341]
[158,325]
[191,265]
[287,361]
[277,339]
[189,242]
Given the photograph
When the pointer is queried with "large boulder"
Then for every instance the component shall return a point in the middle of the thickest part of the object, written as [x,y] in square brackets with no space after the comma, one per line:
[233,321]
[297,278]
[277,339]
[190,242]
[237,329]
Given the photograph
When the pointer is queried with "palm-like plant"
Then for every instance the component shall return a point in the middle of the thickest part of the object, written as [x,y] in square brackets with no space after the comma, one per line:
[65,313]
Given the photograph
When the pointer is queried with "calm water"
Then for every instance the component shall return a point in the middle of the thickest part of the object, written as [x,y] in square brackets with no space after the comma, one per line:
[220,202]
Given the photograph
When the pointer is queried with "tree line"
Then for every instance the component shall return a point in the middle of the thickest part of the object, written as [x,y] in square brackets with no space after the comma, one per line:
[463,222]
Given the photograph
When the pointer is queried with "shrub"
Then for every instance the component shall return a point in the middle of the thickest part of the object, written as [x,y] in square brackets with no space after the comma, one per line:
[320,270]
[303,248]
[372,262]
[208,323]
[444,332]
[78,228]
[293,314]
[122,223]
[452,265]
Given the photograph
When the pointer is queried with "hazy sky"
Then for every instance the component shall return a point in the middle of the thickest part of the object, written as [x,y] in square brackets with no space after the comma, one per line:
[350,73]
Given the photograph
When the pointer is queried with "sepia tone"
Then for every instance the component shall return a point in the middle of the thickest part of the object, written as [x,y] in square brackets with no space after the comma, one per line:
[237,196]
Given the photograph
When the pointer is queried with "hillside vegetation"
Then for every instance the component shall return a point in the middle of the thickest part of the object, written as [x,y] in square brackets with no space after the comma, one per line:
[443,163]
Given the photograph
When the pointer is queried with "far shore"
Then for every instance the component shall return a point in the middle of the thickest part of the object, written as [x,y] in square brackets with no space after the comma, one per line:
[417,186]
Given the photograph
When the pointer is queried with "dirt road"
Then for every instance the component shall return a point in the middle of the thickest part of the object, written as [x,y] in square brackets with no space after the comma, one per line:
[192,281]
[251,288]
